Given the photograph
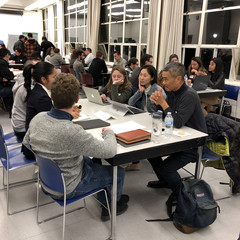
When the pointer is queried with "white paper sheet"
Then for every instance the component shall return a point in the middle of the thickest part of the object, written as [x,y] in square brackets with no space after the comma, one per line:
[126,127]
[103,115]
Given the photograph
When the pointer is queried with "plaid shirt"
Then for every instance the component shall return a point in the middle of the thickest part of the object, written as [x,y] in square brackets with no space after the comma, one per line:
[30,48]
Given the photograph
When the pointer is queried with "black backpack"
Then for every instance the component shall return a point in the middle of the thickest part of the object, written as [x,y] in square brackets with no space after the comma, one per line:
[195,206]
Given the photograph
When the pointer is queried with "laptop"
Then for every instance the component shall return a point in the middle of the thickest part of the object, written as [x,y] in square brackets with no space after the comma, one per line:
[122,109]
[94,96]
[201,82]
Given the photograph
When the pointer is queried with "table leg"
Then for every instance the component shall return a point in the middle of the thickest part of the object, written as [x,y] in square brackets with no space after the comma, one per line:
[114,203]
[198,163]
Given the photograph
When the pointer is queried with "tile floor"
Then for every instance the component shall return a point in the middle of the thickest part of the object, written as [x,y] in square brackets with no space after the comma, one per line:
[144,204]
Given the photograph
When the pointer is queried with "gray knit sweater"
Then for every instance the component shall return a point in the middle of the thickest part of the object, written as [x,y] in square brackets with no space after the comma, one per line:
[65,143]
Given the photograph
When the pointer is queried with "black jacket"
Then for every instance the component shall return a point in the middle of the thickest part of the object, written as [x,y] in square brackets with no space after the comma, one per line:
[22,58]
[19,44]
[218,127]
[44,46]
[96,68]
[38,101]
[219,83]
[5,73]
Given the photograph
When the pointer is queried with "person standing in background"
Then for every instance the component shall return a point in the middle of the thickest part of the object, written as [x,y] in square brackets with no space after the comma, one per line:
[31,45]
[45,45]
[20,43]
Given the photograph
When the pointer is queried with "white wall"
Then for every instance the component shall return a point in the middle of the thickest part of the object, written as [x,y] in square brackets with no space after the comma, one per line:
[16,24]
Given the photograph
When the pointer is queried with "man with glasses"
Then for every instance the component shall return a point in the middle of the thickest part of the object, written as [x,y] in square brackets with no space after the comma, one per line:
[146,59]
[132,64]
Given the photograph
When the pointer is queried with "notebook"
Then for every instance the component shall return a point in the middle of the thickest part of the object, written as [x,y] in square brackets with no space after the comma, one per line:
[133,136]
[93,123]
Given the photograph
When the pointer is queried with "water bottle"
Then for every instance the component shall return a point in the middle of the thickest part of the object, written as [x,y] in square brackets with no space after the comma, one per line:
[168,121]
[186,79]
[156,126]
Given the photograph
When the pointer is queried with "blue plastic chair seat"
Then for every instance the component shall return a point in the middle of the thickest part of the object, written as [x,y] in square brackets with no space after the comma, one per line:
[69,201]
[11,139]
[17,161]
[210,155]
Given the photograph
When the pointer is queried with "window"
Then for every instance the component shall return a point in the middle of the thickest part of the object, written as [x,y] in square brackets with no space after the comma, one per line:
[45,22]
[123,28]
[55,25]
[211,29]
[75,18]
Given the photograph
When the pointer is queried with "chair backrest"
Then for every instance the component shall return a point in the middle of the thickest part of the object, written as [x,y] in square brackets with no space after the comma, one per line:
[72,71]
[86,79]
[3,149]
[232,92]
[50,174]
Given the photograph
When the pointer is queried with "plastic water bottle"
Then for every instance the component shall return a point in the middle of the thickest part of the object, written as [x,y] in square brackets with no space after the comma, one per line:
[168,121]
[186,79]
[156,126]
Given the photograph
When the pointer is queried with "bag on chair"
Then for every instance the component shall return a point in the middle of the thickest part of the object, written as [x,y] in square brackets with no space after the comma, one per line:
[195,206]
[226,109]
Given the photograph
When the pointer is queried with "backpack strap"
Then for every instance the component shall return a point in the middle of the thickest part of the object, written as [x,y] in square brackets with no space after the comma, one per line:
[172,201]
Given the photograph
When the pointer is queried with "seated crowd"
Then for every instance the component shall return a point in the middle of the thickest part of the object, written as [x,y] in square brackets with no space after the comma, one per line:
[42,96]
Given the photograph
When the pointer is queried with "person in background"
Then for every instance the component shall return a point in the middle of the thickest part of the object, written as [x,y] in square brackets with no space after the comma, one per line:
[98,67]
[78,66]
[196,68]
[36,56]
[3,46]
[20,43]
[19,104]
[160,79]
[217,81]
[48,53]
[132,64]
[89,57]
[118,89]
[146,59]
[73,58]
[5,79]
[141,98]
[56,59]
[19,57]
[45,45]
[81,173]
[118,60]
[31,45]
[1,42]
[173,58]
[184,104]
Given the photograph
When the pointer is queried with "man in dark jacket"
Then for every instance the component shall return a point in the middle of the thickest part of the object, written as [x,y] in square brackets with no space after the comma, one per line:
[20,43]
[31,45]
[97,67]
[5,78]
[45,45]
[184,105]
[19,57]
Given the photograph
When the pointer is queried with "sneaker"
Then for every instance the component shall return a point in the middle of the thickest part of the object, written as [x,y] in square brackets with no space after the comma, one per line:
[124,199]
[121,208]
[158,184]
[133,167]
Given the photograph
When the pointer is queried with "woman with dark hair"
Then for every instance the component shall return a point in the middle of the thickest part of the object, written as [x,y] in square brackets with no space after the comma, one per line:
[196,68]
[147,85]
[217,75]
[48,53]
[73,57]
[118,89]
[173,58]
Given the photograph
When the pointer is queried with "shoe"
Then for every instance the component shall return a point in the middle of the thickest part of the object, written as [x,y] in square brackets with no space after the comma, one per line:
[133,167]
[124,199]
[121,208]
[158,184]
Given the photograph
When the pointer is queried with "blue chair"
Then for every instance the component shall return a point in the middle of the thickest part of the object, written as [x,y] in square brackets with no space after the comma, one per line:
[51,177]
[9,138]
[11,160]
[232,93]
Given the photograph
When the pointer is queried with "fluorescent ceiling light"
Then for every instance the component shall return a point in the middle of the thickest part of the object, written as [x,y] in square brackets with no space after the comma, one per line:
[2,2]
[39,4]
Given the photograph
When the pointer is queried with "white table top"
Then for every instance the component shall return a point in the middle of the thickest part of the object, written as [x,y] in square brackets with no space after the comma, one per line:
[144,119]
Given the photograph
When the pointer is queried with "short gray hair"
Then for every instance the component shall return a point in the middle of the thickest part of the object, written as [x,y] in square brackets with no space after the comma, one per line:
[175,69]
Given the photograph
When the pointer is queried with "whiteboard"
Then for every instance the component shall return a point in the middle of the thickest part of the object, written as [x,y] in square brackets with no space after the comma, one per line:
[11,40]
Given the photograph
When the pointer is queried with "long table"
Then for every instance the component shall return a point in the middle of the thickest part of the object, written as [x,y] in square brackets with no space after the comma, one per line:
[209,92]
[145,150]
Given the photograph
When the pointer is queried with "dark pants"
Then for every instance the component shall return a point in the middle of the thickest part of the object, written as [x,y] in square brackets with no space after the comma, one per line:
[20,135]
[166,170]
[7,95]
